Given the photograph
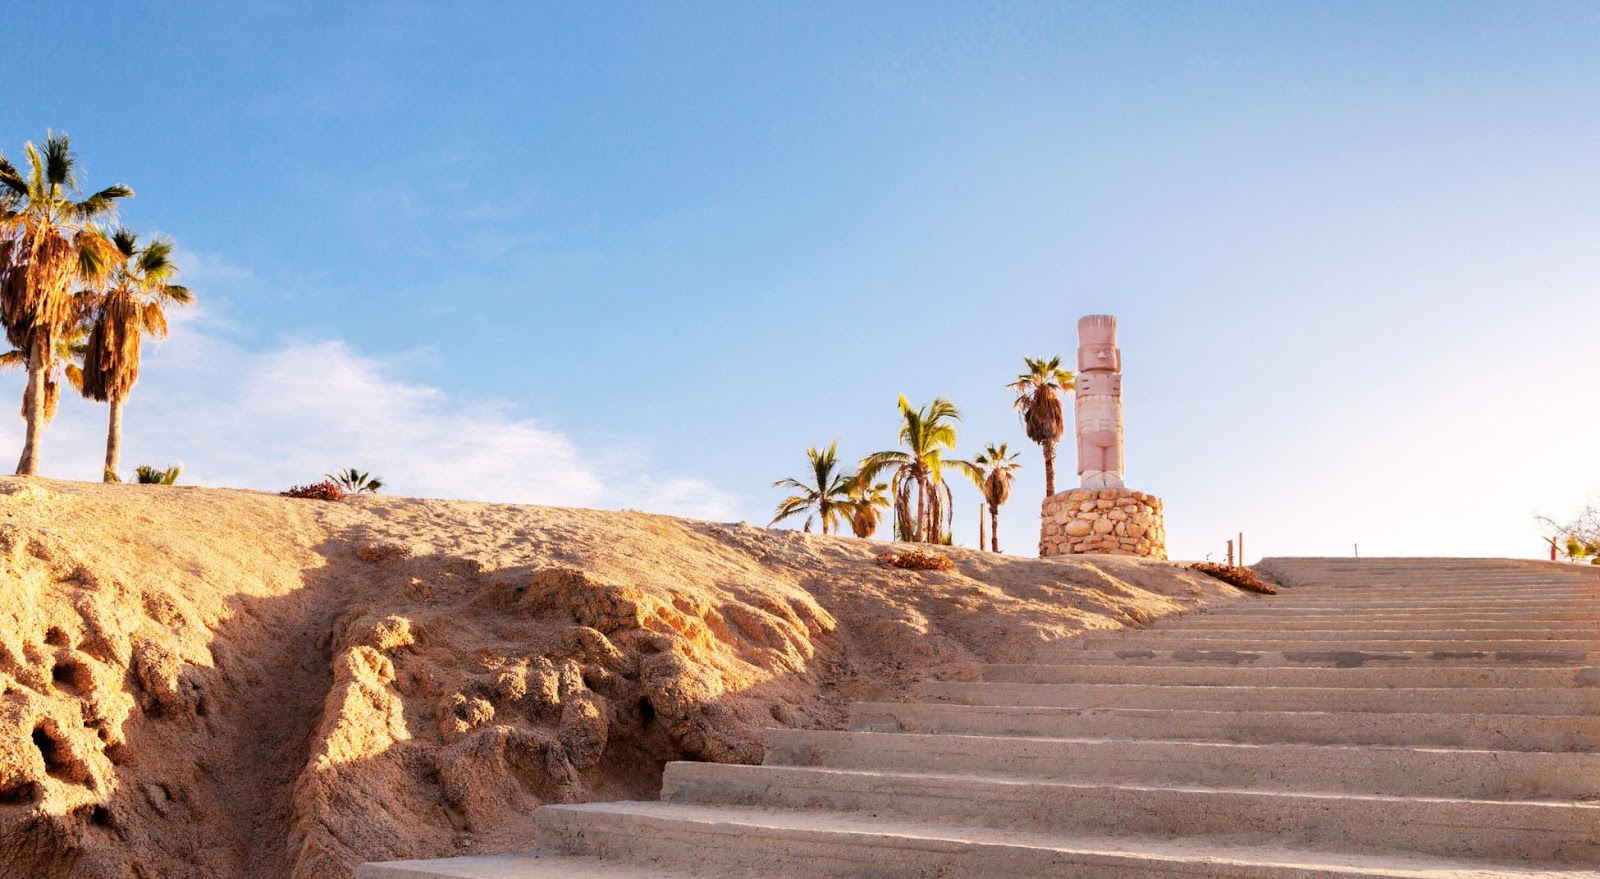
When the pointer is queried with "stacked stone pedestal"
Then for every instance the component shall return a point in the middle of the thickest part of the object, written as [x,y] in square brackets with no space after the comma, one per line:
[1108,521]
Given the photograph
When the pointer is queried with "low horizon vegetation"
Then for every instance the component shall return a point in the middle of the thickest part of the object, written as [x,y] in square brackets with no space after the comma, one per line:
[1577,539]
[1241,576]
[918,492]
[326,490]
[144,474]
[355,481]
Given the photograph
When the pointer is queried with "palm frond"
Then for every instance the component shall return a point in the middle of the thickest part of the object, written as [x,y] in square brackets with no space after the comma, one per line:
[970,470]
[790,507]
[147,475]
[59,162]
[100,204]
[127,243]
[38,187]
[355,481]
[152,320]
[11,179]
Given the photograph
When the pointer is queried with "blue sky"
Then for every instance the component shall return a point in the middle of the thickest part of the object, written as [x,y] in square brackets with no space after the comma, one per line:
[636,255]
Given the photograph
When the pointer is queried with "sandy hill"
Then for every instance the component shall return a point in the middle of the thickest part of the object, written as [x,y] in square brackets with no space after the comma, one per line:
[228,684]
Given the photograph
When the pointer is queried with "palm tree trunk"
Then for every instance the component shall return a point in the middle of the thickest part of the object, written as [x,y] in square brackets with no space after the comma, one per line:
[994,527]
[1049,467]
[34,402]
[919,535]
[113,440]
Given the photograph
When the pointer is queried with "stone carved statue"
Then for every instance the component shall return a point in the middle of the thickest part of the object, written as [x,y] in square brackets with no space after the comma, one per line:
[1097,406]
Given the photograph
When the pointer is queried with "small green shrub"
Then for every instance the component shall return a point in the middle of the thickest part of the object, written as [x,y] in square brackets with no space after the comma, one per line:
[355,481]
[147,475]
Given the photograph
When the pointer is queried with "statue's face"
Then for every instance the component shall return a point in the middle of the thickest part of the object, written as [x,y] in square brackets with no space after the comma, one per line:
[1098,356]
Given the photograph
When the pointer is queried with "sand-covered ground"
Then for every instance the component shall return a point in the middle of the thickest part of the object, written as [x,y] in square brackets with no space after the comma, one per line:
[215,684]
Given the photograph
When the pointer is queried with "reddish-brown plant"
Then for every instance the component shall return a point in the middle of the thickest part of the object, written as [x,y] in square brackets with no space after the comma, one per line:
[326,490]
[1244,578]
[916,560]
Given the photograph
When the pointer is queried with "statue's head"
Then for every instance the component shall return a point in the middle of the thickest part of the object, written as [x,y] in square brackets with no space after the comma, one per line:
[1097,343]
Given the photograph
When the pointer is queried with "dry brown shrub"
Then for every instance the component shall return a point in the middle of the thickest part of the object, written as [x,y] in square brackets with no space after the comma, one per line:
[326,490]
[1244,578]
[916,560]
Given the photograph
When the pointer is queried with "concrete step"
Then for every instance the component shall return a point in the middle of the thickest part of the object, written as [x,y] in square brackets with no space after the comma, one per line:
[1371,564]
[537,865]
[1355,570]
[1380,602]
[1452,578]
[1412,700]
[1495,732]
[1444,576]
[1193,676]
[1497,830]
[1445,586]
[1289,626]
[1453,633]
[1135,640]
[1230,622]
[724,841]
[1420,595]
[1151,656]
[1429,772]
[1465,614]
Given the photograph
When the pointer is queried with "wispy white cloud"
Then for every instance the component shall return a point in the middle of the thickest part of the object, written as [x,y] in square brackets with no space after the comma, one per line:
[202,269]
[270,419]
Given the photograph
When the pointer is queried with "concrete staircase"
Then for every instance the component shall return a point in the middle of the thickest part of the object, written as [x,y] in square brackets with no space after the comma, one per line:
[1379,718]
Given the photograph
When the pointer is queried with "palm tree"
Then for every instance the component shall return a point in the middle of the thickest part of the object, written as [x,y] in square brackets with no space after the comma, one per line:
[827,495]
[1040,408]
[70,348]
[998,469]
[355,481]
[866,499]
[48,245]
[129,307]
[921,495]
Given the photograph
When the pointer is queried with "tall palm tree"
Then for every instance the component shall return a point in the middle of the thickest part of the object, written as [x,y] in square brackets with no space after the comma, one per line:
[131,305]
[827,495]
[998,468]
[866,499]
[70,348]
[922,500]
[1039,404]
[48,245]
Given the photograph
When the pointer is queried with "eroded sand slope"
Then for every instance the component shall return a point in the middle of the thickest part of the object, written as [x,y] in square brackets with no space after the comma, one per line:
[213,683]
